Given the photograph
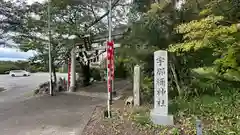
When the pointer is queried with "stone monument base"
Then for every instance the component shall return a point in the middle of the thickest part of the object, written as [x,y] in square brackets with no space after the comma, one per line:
[159,119]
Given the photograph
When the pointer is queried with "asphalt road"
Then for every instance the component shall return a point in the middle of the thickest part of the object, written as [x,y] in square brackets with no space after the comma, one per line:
[62,114]
[17,88]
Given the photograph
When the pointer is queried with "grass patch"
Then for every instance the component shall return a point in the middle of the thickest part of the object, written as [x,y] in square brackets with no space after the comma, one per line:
[220,114]
[141,116]
[217,105]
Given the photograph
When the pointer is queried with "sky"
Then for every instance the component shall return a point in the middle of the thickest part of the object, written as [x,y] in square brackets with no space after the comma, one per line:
[14,54]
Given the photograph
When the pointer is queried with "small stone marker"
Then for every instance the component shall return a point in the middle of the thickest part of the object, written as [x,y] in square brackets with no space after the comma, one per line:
[159,114]
[136,85]
[199,127]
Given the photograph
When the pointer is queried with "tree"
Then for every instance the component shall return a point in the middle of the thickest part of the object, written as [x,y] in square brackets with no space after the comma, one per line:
[153,31]
[11,19]
[69,19]
[210,34]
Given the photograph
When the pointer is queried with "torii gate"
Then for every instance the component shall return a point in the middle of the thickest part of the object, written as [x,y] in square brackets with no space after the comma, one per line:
[99,38]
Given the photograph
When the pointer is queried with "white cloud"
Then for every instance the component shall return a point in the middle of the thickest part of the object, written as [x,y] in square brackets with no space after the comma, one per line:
[12,59]
[32,1]
[14,54]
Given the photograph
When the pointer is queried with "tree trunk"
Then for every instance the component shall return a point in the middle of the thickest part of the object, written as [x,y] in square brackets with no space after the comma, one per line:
[54,74]
[175,79]
[175,76]
[86,73]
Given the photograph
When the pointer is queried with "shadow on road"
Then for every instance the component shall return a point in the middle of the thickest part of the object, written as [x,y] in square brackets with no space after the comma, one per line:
[2,89]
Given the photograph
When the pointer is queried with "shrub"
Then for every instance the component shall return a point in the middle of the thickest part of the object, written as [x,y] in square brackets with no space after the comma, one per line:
[147,90]
[219,114]
[7,67]
[141,116]
[95,73]
[120,70]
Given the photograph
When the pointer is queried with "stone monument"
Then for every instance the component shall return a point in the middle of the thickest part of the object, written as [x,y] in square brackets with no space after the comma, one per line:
[136,86]
[159,115]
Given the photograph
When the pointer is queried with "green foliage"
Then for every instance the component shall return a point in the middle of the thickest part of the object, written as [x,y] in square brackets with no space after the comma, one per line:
[147,91]
[64,69]
[207,42]
[226,8]
[142,5]
[120,71]
[204,36]
[6,66]
[153,31]
[208,33]
[220,113]
[68,18]
[86,72]
[195,35]
[214,28]
[198,34]
[120,68]
[175,131]
[141,116]
[95,73]
[216,103]
[11,21]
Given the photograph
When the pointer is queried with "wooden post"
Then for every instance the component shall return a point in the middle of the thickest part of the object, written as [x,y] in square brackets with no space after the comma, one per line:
[136,85]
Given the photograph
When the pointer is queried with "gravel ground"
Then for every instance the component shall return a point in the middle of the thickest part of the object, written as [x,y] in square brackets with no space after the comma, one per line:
[120,124]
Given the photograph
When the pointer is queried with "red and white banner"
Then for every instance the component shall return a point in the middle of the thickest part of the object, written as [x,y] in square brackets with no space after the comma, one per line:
[110,66]
[69,72]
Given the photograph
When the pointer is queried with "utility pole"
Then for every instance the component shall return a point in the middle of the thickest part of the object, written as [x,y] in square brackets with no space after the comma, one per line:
[49,49]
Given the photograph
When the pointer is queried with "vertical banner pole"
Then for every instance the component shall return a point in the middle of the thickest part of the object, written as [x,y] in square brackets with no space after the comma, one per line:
[109,40]
[113,91]
[69,73]
[110,70]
